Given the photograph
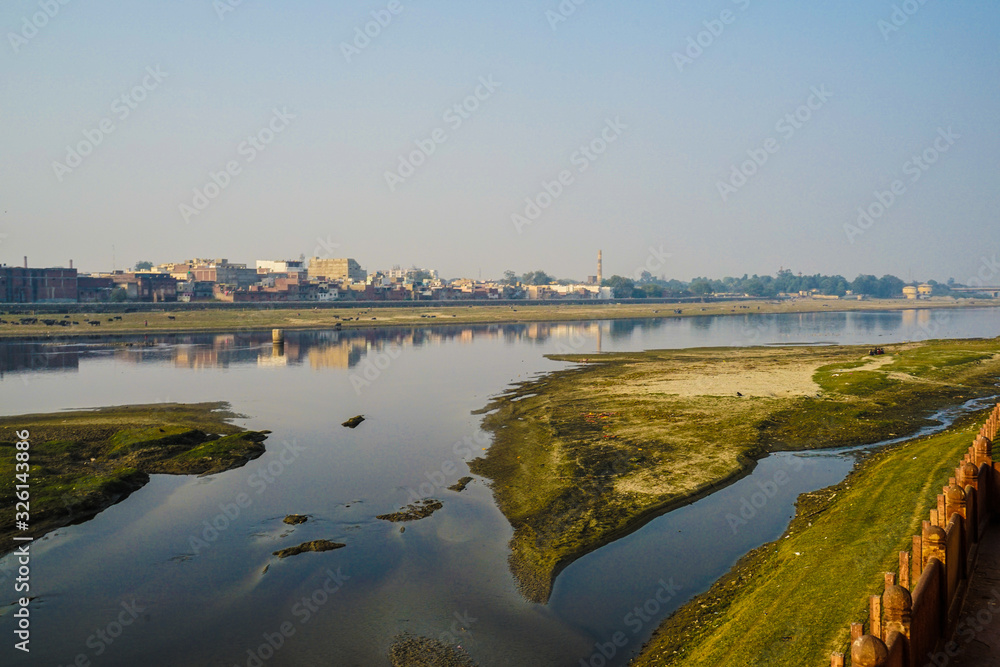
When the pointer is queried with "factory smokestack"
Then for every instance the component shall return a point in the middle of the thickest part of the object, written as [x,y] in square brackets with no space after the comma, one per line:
[25,261]
[71,264]
[600,266]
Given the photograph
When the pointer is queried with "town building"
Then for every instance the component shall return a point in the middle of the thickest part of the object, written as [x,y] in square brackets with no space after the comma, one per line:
[341,269]
[25,285]
[93,289]
[287,266]
[210,270]
[145,285]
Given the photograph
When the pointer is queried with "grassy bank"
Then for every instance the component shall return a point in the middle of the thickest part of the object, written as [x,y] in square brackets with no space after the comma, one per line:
[84,461]
[790,602]
[585,455]
[185,321]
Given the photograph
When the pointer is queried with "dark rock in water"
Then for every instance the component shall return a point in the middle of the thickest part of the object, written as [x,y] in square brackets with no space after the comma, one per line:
[295,519]
[413,512]
[354,421]
[460,485]
[408,650]
[315,545]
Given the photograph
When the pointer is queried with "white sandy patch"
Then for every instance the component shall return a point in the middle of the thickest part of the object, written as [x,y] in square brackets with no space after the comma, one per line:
[747,375]
[725,378]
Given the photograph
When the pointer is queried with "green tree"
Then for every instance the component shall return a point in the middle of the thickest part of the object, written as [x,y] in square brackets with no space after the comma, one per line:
[119,294]
[890,287]
[621,288]
[700,287]
[653,290]
[143,266]
[865,284]
[537,278]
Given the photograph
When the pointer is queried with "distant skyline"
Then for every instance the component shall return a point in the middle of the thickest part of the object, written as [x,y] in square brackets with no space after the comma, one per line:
[712,139]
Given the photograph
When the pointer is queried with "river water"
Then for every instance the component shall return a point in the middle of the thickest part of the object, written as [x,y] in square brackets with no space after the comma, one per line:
[181,563]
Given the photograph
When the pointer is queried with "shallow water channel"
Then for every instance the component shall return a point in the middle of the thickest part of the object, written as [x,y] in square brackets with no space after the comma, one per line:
[189,564]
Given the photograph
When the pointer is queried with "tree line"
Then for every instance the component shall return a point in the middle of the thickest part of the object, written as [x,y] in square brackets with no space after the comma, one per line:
[784,282]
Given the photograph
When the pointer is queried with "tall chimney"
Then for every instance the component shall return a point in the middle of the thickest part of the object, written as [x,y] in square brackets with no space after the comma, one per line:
[600,267]
[25,261]
[71,264]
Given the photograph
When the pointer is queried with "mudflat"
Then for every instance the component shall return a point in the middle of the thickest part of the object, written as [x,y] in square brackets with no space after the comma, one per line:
[585,455]
[83,461]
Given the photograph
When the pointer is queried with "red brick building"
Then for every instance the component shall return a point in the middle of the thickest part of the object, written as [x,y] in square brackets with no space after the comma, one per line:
[155,287]
[24,285]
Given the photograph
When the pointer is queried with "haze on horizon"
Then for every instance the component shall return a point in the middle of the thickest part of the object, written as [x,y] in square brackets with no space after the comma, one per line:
[678,93]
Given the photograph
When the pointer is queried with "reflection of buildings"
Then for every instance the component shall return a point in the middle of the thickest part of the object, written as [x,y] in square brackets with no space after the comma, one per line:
[17,356]
[324,349]
[921,318]
[344,353]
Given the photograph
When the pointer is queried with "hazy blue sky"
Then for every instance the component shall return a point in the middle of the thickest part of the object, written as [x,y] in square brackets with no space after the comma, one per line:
[678,128]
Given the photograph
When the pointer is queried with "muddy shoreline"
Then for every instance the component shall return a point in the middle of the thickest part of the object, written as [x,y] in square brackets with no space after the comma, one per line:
[82,462]
[574,465]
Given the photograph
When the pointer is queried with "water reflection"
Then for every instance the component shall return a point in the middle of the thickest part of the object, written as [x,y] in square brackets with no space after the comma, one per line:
[320,349]
[337,349]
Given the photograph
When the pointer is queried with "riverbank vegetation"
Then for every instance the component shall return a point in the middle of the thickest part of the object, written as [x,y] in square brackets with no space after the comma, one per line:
[83,461]
[584,455]
[790,602]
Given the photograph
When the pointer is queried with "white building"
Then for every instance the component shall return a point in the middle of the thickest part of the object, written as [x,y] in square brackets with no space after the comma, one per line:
[288,266]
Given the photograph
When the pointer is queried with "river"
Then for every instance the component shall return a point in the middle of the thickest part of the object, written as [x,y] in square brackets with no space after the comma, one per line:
[199,592]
